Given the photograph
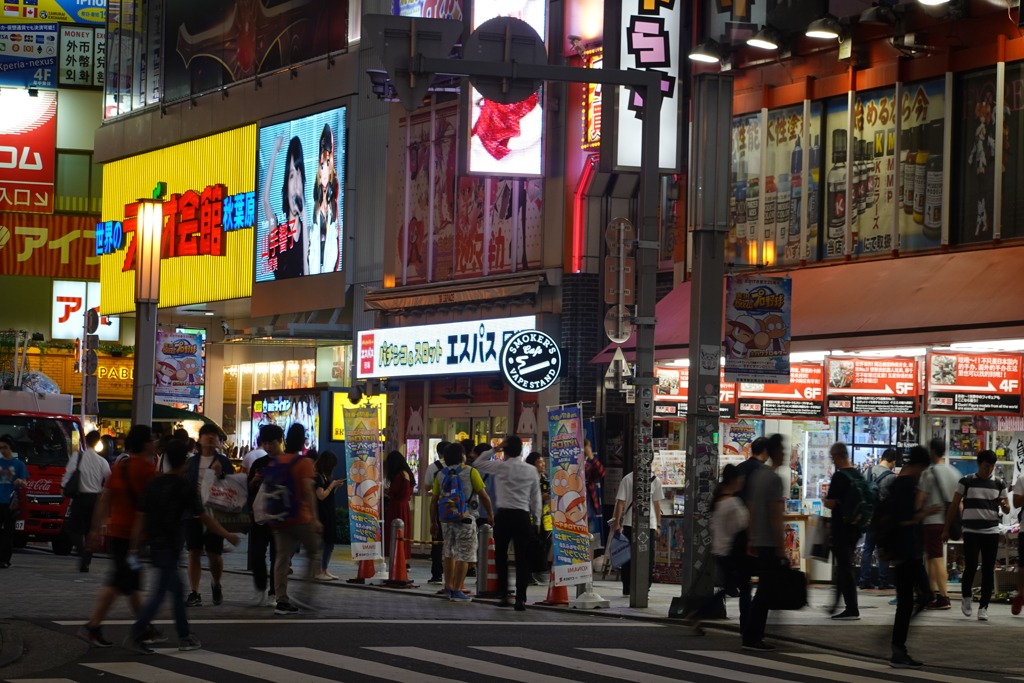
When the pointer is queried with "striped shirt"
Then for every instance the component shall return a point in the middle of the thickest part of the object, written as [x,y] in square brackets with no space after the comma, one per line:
[981,503]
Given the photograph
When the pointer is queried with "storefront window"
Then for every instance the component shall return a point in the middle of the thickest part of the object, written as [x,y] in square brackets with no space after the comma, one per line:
[974,146]
[1013,153]
[923,136]
[133,55]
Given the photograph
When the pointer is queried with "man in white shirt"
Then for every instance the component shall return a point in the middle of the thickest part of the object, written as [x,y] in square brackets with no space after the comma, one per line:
[623,519]
[252,456]
[518,486]
[93,472]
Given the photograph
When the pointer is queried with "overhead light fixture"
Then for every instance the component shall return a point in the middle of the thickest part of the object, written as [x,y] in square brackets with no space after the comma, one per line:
[709,52]
[932,3]
[826,27]
[881,15]
[767,38]
[208,313]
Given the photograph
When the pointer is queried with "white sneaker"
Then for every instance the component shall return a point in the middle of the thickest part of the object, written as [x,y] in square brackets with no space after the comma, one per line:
[259,599]
[331,576]
[965,606]
[983,614]
[323,576]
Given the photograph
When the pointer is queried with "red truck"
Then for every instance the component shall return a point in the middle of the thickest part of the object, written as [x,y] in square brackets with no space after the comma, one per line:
[46,436]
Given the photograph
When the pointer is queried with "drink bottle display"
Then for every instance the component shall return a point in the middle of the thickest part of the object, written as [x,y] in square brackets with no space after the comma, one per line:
[753,195]
[836,186]
[933,183]
[902,170]
[911,171]
[920,174]
[890,166]
[796,164]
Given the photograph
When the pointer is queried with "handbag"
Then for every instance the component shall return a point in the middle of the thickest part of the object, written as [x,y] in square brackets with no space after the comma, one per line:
[228,493]
[74,485]
[786,589]
[618,550]
[820,545]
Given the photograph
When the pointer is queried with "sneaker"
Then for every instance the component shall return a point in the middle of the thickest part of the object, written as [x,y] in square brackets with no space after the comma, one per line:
[459,596]
[436,580]
[759,646]
[194,600]
[331,576]
[153,637]
[446,593]
[259,599]
[846,615]
[189,642]
[943,603]
[983,614]
[894,601]
[286,608]
[901,660]
[93,636]
[218,594]
[1018,602]
[965,606]
[133,643]
[323,576]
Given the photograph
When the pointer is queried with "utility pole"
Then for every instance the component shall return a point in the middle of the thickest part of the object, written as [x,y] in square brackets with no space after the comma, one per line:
[709,220]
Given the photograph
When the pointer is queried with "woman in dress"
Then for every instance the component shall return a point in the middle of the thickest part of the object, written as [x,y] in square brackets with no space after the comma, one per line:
[398,493]
[323,487]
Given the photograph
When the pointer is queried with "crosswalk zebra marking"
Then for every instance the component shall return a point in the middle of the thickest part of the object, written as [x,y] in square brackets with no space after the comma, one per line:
[882,668]
[144,673]
[681,664]
[360,666]
[578,664]
[596,622]
[39,680]
[785,667]
[246,667]
[477,666]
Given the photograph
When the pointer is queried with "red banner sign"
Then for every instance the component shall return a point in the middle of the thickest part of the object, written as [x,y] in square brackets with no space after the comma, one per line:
[672,393]
[54,246]
[974,383]
[872,386]
[28,140]
[802,398]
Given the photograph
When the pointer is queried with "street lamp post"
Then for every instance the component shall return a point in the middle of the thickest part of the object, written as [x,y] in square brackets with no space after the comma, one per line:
[148,233]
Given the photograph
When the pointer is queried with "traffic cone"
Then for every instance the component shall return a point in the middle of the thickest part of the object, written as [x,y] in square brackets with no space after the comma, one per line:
[558,596]
[492,574]
[398,576]
[366,571]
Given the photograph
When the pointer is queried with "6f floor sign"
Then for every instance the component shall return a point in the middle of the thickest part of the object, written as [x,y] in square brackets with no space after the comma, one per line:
[531,361]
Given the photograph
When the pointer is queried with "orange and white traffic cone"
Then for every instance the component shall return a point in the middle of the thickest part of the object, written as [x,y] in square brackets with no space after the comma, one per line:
[491,574]
[398,577]
[558,596]
[366,571]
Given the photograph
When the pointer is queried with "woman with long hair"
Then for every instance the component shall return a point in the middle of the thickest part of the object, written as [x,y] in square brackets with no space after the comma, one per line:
[324,246]
[398,479]
[323,487]
[288,239]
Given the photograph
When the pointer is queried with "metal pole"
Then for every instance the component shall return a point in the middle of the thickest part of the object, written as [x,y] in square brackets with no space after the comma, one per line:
[483,545]
[647,268]
[144,391]
[712,110]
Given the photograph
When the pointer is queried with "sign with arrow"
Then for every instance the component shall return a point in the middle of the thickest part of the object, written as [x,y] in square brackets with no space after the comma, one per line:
[974,383]
[802,398]
[872,386]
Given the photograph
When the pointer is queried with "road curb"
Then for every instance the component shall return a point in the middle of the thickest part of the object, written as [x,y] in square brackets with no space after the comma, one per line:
[11,646]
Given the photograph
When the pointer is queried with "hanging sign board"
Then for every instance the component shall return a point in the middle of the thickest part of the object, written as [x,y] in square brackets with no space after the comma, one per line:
[872,386]
[802,398]
[974,383]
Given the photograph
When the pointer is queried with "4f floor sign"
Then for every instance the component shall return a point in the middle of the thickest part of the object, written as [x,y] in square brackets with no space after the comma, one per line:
[531,361]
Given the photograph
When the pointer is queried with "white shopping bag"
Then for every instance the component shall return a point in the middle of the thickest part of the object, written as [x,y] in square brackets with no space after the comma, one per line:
[229,493]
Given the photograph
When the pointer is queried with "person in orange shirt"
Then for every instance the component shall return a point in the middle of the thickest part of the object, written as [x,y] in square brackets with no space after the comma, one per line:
[117,508]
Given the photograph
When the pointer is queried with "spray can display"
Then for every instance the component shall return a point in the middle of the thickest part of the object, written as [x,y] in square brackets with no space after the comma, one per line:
[910,168]
[933,183]
[921,174]
[813,194]
[768,194]
[836,187]
[796,164]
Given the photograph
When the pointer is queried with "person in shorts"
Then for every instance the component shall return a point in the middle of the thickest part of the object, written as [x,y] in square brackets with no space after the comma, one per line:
[937,485]
[460,542]
[198,540]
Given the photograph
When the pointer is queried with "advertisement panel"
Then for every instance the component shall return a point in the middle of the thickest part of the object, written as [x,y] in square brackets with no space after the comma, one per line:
[974,383]
[208,221]
[872,386]
[341,403]
[757,328]
[180,368]
[28,56]
[363,461]
[567,470]
[212,44]
[28,142]
[803,397]
[300,226]
[48,245]
[285,409]
[428,9]
[82,55]
[70,300]
[66,11]
[921,181]
[446,349]
[672,392]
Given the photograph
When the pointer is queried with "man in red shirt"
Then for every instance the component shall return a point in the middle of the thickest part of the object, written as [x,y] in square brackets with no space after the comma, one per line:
[117,508]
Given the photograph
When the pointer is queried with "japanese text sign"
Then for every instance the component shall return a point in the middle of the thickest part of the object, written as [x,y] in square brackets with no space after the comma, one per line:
[28,140]
[82,55]
[362,456]
[567,469]
[802,398]
[48,245]
[28,55]
[974,383]
[67,11]
[757,328]
[872,386]
[71,299]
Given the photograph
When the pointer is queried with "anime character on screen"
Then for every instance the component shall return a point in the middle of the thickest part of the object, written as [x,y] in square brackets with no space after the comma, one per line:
[288,240]
[324,247]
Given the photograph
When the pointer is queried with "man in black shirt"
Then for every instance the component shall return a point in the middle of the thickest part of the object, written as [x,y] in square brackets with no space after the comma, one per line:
[844,536]
[270,439]
[758,456]
[904,543]
[167,503]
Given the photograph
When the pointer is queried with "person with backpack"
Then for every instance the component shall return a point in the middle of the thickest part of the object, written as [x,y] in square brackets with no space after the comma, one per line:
[456,496]
[198,540]
[852,504]
[167,500]
[288,501]
[436,542]
[880,479]
[622,518]
[261,538]
[936,488]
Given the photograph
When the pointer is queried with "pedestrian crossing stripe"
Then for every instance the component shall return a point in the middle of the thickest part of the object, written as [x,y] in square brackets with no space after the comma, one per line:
[582,622]
[144,672]
[478,666]
[360,666]
[246,667]
[694,667]
[878,667]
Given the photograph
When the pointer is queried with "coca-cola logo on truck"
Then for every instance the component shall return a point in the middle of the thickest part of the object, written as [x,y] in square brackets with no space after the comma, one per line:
[42,486]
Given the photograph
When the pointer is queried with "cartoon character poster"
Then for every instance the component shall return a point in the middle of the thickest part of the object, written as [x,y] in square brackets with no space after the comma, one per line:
[975,138]
[571,534]
[469,228]
[362,456]
[757,329]
[793,545]
[179,368]
[443,232]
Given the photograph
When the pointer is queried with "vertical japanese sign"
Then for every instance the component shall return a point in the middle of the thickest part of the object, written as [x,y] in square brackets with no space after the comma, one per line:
[180,370]
[649,39]
[28,140]
[571,536]
[744,195]
[28,56]
[757,328]
[873,165]
[78,56]
[974,383]
[594,59]
[362,454]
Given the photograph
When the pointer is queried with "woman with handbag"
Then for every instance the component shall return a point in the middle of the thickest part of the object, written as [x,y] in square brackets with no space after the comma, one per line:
[729,520]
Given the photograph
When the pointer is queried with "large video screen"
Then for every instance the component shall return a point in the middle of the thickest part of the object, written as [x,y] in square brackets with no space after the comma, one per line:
[284,410]
[301,197]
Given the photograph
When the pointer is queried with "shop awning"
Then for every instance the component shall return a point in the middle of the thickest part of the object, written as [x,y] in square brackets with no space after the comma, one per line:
[966,296]
[459,292]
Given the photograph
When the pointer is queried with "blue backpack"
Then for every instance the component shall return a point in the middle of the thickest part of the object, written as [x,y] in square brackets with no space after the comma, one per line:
[452,505]
[280,494]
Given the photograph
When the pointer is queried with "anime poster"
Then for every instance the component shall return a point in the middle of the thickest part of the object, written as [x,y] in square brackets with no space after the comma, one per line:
[744,198]
[415,182]
[975,143]
[531,209]
[469,228]
[179,368]
[285,410]
[444,160]
[792,532]
[785,194]
[362,456]
[571,534]
[738,436]
[923,111]
[506,139]
[501,210]
[757,328]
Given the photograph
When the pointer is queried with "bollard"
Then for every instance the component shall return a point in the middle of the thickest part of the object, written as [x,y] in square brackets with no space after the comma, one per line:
[482,572]
[398,577]
[586,597]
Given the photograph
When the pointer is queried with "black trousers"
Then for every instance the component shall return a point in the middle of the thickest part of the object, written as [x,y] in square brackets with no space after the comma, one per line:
[626,569]
[79,522]
[768,562]
[988,546]
[7,517]
[514,526]
[260,540]
[436,566]
[844,572]
[911,578]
